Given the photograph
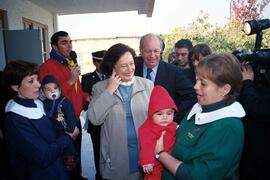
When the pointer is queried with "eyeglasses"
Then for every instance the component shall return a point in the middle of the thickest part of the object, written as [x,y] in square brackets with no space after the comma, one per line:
[155,51]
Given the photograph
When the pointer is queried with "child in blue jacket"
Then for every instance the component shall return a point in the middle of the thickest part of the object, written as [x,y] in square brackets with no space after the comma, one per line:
[60,110]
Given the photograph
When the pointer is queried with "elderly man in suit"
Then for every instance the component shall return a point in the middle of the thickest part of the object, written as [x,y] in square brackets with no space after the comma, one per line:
[150,66]
[88,80]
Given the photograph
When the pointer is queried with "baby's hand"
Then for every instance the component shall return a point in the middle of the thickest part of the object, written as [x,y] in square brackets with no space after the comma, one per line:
[74,134]
[148,168]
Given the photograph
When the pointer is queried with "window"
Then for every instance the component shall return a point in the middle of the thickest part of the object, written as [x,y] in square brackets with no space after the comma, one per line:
[30,24]
[3,26]
[3,19]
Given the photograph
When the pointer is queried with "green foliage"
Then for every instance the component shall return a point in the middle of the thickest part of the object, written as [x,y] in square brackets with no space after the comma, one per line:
[220,39]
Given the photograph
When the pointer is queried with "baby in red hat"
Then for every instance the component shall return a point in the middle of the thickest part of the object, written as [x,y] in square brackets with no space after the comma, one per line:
[160,118]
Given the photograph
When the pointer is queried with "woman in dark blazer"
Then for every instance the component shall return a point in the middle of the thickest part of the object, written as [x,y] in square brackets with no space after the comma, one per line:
[33,149]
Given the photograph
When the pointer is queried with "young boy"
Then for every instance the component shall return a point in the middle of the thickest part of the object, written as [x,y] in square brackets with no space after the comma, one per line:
[160,118]
[60,110]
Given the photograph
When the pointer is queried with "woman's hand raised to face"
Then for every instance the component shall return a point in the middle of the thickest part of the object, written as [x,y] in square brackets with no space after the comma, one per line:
[113,83]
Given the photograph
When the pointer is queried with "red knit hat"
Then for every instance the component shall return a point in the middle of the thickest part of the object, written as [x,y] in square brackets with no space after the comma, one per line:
[160,99]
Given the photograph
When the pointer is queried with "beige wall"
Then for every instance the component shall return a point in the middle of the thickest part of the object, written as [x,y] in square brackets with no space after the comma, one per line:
[84,48]
[17,9]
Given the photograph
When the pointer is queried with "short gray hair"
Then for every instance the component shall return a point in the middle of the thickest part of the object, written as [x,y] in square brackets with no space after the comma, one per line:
[150,36]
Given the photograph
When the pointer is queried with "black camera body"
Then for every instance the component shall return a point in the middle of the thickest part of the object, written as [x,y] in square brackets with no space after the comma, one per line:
[261,56]
[259,59]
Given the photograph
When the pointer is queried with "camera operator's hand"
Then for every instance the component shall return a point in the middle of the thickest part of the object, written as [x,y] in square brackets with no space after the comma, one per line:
[247,72]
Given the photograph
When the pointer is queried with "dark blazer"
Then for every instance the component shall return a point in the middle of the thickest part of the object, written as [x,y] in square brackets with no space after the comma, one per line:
[255,162]
[88,80]
[33,149]
[64,105]
[176,83]
[189,72]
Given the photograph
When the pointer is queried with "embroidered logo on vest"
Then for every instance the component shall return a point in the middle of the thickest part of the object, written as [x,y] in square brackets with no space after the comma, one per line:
[191,136]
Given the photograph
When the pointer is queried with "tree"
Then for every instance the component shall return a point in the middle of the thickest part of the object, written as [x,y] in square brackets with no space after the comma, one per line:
[197,32]
[221,39]
[248,9]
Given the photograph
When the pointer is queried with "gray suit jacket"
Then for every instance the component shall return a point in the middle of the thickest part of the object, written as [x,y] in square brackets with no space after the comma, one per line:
[108,111]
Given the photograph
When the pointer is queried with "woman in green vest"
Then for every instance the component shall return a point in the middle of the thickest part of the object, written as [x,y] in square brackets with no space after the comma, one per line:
[210,138]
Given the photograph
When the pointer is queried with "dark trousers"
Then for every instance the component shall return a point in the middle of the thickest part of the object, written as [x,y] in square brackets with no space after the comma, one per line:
[95,136]
[5,168]
[76,173]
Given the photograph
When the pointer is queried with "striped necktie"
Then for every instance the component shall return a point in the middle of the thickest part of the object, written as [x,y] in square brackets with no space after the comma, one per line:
[102,77]
[148,76]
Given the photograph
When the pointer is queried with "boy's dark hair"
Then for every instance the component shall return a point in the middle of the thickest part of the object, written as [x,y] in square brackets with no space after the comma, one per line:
[162,43]
[111,57]
[16,71]
[200,49]
[55,36]
[183,43]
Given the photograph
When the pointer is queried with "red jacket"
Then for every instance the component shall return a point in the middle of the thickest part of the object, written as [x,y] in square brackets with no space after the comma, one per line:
[62,73]
[149,133]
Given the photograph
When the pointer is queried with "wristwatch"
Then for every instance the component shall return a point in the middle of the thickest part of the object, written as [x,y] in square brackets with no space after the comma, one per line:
[158,154]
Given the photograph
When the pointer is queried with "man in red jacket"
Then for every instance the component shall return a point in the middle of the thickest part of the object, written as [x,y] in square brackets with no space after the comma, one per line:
[67,73]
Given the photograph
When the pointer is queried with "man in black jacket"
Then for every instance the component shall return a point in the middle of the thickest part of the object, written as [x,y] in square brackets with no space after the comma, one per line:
[255,98]
[150,66]
[88,80]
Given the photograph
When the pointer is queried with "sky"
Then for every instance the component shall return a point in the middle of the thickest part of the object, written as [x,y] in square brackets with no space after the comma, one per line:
[167,15]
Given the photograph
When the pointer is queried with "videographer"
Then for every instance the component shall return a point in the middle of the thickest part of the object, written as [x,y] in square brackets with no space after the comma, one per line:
[255,99]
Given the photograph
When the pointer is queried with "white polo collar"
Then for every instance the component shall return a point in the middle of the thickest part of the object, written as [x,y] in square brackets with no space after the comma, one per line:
[233,110]
[28,112]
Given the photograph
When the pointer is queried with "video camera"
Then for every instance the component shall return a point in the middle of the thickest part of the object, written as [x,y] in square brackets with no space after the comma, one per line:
[259,58]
